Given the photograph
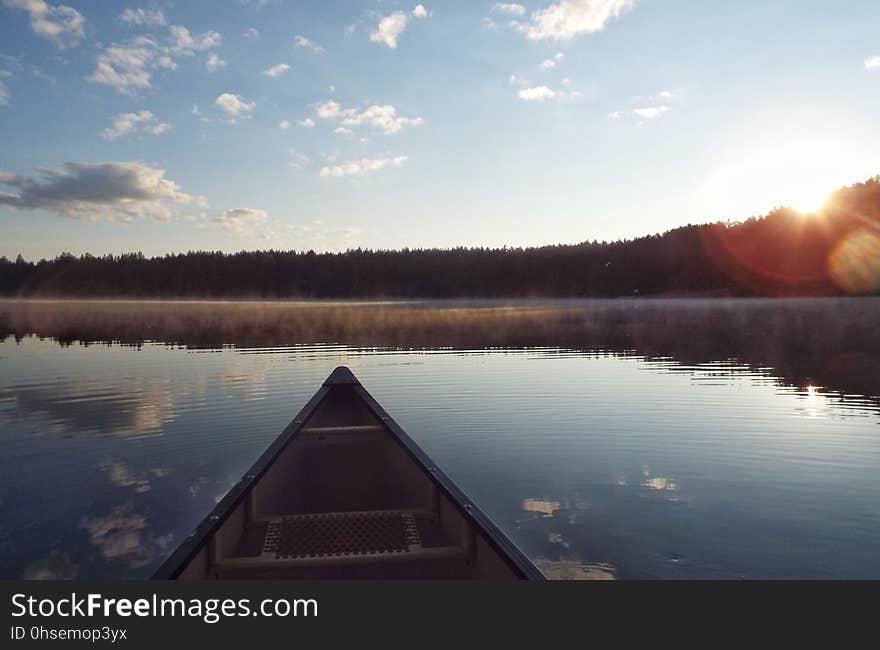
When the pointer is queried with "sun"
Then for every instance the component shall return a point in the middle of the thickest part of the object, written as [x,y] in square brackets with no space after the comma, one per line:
[792,170]
[808,201]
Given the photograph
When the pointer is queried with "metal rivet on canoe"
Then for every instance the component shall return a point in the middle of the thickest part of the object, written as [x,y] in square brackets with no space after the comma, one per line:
[214,517]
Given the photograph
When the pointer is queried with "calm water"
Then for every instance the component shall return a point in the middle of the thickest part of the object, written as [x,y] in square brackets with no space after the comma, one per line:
[610,439]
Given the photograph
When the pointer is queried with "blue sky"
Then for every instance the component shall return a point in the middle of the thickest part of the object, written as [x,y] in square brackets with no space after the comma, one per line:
[174,126]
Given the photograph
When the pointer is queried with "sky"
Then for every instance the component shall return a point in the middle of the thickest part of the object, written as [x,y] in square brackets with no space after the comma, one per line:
[290,124]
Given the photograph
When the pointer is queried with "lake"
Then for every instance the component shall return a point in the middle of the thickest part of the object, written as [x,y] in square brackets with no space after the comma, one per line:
[611,439]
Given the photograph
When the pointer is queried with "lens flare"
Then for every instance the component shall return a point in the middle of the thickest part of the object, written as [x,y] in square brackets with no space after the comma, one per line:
[855,263]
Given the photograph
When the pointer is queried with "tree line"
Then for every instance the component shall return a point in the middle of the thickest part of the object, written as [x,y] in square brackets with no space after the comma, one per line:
[835,251]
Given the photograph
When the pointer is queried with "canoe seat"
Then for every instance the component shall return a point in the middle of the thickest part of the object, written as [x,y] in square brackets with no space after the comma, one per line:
[336,543]
[341,534]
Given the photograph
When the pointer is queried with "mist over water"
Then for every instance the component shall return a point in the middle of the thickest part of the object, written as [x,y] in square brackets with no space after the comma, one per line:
[609,439]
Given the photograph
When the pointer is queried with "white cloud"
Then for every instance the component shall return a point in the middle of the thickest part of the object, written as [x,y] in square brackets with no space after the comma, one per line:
[214,62]
[565,19]
[509,8]
[140,122]
[185,43]
[242,221]
[330,109]
[302,41]
[148,17]
[648,107]
[362,166]
[341,130]
[350,29]
[662,97]
[517,80]
[566,82]
[549,64]
[646,112]
[298,160]
[383,117]
[651,112]
[873,62]
[307,123]
[390,27]
[114,191]
[233,104]
[276,70]
[536,94]
[284,125]
[4,95]
[128,67]
[252,33]
[58,23]
[420,12]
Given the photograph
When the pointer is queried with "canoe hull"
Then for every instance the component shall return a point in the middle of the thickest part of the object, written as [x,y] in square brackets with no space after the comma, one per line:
[345,493]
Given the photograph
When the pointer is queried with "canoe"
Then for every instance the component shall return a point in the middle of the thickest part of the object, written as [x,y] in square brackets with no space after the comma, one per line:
[345,493]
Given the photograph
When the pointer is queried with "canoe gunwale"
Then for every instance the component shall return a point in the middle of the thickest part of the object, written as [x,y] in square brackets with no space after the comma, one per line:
[494,536]
[190,547]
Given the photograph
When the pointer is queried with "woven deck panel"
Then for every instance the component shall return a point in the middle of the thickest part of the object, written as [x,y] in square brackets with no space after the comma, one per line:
[341,534]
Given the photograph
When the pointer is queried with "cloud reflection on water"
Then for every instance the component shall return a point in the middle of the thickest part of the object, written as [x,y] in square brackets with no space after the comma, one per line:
[121,407]
[57,565]
[123,534]
[123,475]
[589,406]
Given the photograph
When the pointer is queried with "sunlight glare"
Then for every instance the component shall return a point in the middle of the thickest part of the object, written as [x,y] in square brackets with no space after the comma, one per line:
[798,172]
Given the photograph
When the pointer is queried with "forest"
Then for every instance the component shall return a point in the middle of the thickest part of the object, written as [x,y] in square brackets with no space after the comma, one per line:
[835,251]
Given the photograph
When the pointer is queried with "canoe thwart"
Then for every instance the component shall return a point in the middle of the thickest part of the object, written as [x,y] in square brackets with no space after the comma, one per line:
[357,428]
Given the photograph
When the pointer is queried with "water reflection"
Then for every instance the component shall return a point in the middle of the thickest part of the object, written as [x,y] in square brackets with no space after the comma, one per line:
[541,506]
[611,439]
[121,407]
[830,342]
[574,569]
[55,566]
[658,483]
[123,475]
[123,534]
